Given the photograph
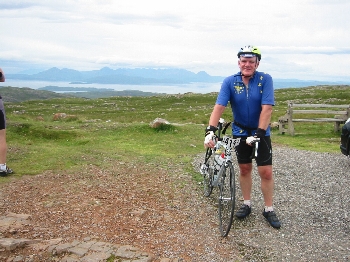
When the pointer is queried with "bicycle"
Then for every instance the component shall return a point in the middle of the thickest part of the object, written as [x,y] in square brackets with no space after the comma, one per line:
[218,171]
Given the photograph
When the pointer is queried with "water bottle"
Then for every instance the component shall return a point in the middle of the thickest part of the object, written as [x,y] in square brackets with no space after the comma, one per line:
[219,160]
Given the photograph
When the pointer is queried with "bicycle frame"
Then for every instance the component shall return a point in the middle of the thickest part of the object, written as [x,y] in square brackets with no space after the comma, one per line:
[228,155]
[221,174]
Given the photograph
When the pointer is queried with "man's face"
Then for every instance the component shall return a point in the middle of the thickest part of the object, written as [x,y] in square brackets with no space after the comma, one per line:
[248,65]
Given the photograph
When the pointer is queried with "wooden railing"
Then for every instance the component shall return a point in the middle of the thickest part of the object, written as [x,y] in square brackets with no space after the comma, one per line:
[341,114]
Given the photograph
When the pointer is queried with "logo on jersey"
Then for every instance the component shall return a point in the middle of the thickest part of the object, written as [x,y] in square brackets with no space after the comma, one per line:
[238,89]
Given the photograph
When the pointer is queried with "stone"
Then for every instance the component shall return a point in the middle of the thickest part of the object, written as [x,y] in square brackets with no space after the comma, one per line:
[159,121]
[59,116]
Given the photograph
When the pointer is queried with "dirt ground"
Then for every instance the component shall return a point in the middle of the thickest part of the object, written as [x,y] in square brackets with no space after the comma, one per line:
[160,210]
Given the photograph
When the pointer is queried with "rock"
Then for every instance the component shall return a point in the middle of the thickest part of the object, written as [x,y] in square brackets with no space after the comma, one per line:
[274,125]
[59,116]
[12,243]
[158,121]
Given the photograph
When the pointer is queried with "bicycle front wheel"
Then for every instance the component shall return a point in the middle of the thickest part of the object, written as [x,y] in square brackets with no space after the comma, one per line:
[208,175]
[227,198]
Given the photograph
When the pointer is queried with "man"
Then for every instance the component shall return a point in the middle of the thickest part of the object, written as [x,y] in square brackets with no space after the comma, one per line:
[4,170]
[251,96]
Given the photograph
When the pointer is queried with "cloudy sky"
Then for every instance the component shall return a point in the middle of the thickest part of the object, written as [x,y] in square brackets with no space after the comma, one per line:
[302,39]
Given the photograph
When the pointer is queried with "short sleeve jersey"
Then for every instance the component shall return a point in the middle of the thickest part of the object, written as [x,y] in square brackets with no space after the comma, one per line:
[246,101]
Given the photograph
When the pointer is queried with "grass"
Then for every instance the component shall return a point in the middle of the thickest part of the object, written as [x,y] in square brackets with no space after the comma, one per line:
[102,131]
[319,137]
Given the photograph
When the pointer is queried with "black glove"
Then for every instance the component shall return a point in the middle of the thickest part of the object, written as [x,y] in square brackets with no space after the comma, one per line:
[260,133]
[210,128]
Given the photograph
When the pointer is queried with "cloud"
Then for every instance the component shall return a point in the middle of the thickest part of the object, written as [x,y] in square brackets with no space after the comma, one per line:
[16,5]
[300,37]
[324,50]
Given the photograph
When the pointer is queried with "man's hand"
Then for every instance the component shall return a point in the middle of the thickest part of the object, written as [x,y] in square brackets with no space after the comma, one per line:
[209,135]
[208,141]
[250,140]
[260,133]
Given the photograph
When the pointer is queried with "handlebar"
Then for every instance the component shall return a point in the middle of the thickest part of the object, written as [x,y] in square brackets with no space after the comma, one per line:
[222,130]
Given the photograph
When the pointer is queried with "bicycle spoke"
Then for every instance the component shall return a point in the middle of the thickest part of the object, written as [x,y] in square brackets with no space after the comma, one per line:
[226,199]
[207,171]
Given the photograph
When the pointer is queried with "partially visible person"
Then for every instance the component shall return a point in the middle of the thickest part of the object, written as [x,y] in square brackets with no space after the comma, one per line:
[4,170]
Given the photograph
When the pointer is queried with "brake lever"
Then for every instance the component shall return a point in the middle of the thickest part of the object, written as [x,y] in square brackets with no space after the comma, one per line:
[255,148]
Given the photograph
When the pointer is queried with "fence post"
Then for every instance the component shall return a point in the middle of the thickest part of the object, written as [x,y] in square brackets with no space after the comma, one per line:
[290,119]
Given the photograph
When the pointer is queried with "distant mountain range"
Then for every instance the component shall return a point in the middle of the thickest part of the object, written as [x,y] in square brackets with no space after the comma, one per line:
[139,76]
[144,76]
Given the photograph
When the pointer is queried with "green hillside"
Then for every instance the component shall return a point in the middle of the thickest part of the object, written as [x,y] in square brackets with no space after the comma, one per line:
[16,94]
[101,131]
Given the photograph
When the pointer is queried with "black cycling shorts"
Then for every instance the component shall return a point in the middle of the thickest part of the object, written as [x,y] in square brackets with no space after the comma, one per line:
[244,152]
[2,115]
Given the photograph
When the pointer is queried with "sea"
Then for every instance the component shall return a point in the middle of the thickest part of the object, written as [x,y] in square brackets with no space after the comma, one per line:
[202,88]
[198,87]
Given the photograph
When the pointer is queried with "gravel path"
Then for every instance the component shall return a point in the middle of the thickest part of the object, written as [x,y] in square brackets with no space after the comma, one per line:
[312,201]
[158,208]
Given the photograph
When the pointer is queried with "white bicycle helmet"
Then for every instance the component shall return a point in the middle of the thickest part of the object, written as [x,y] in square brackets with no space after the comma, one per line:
[249,51]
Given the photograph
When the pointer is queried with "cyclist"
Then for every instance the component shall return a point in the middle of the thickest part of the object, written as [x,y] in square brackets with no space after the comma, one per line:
[4,170]
[251,96]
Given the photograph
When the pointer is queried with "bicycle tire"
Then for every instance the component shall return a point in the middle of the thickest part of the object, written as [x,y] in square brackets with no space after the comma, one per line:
[209,174]
[227,198]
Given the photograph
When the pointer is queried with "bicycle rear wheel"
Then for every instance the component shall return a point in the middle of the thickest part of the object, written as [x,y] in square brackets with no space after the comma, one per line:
[227,198]
[208,174]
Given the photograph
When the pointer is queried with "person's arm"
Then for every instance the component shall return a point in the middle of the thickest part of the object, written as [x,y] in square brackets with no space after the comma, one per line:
[216,114]
[2,76]
[213,122]
[265,116]
[264,121]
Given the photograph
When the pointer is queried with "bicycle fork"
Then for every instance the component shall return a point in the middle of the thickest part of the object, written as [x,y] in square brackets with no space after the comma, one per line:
[221,174]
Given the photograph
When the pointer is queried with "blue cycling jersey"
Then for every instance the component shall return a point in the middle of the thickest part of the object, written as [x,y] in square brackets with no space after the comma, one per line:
[246,101]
